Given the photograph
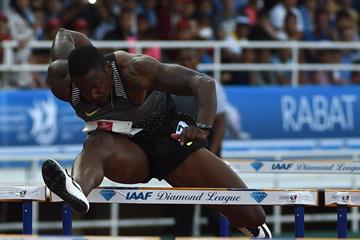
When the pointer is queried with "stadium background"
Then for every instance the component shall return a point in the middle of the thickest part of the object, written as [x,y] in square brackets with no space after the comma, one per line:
[287,103]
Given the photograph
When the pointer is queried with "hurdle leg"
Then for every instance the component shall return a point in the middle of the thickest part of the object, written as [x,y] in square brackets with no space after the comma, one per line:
[67,220]
[299,221]
[342,221]
[27,217]
[224,226]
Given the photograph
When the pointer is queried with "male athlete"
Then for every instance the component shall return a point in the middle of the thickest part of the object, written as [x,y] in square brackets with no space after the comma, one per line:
[130,92]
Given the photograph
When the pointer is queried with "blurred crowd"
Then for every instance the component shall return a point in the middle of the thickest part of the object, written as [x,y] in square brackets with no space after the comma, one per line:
[227,20]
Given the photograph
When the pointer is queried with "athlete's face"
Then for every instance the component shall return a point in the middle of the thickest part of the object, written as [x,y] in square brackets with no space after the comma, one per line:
[96,86]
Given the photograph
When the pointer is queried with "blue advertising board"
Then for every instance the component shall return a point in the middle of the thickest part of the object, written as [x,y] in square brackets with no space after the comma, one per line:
[30,118]
[37,118]
[304,112]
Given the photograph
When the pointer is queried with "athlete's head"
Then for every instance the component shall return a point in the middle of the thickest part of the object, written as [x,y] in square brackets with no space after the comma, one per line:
[90,73]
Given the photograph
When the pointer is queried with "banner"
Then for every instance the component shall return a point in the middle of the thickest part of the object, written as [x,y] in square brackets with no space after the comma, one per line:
[200,196]
[37,118]
[313,166]
[303,112]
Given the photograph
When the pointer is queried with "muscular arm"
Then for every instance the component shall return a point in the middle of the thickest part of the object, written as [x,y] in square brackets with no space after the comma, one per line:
[180,81]
[58,77]
[218,132]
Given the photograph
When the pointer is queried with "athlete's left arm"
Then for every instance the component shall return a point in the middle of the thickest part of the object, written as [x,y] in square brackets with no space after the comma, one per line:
[178,80]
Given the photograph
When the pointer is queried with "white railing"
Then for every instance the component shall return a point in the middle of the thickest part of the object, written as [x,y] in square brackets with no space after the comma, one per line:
[217,66]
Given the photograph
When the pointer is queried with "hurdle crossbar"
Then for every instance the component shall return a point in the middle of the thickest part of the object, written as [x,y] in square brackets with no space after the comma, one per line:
[25,194]
[202,196]
[342,198]
[207,196]
[295,166]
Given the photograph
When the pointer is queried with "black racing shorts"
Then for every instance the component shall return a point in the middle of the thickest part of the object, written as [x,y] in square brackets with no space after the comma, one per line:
[163,152]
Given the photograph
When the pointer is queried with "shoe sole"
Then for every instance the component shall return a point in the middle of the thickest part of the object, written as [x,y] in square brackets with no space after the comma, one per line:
[55,180]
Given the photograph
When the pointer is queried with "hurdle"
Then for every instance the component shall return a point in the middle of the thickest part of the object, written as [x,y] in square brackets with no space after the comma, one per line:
[342,198]
[295,166]
[202,196]
[26,195]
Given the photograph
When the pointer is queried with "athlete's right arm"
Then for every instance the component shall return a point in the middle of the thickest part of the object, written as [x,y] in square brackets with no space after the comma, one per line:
[58,77]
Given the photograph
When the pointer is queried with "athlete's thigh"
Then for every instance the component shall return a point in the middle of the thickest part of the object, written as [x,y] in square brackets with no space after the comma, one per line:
[120,159]
[204,169]
[128,163]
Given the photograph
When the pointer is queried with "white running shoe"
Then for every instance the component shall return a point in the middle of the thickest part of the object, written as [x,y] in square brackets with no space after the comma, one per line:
[260,232]
[62,184]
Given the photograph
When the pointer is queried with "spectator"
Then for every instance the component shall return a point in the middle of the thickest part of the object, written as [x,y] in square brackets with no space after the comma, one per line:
[346,31]
[308,12]
[145,32]
[123,27]
[38,25]
[251,11]
[347,6]
[228,16]
[4,29]
[4,35]
[241,33]
[21,20]
[186,30]
[81,25]
[278,14]
[323,30]
[283,56]
[263,30]
[290,29]
[264,77]
[109,10]
[205,31]
[51,28]
[330,7]
[148,10]
[80,9]
[207,9]
[356,76]
[325,77]
[52,9]
[344,22]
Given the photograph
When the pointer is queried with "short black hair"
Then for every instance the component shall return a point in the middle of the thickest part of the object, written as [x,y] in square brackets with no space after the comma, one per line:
[83,59]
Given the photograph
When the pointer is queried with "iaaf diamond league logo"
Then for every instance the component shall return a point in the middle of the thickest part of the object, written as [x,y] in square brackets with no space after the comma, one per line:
[257,165]
[107,194]
[258,196]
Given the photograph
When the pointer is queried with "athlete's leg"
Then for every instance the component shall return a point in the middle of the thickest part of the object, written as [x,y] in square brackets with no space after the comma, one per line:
[104,154]
[204,169]
[111,155]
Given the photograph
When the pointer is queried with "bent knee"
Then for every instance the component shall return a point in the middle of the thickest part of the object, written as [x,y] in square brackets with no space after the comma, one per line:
[257,218]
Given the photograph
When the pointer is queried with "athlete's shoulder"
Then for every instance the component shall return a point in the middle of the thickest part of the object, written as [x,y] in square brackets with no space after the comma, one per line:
[123,58]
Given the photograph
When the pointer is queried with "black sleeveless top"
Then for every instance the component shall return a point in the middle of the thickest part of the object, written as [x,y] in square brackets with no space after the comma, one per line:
[155,107]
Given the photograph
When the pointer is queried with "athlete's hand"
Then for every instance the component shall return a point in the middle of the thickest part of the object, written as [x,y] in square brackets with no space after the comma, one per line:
[190,134]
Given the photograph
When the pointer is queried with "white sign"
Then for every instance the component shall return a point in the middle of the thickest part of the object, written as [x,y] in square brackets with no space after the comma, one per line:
[201,196]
